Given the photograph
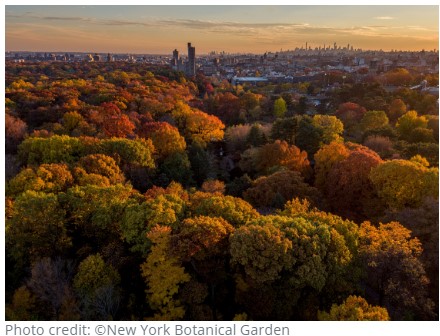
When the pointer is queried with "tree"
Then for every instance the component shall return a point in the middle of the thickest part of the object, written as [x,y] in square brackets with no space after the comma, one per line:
[402,183]
[331,127]
[199,238]
[52,177]
[103,165]
[309,137]
[213,186]
[407,123]
[91,282]
[22,307]
[285,129]
[235,210]
[247,244]
[50,283]
[55,149]
[325,159]
[196,125]
[276,189]
[166,209]
[37,228]
[177,167]
[15,130]
[394,271]
[278,154]
[349,189]
[118,126]
[128,152]
[279,108]
[350,114]
[256,136]
[396,110]
[354,308]
[380,144]
[373,120]
[398,77]
[164,275]
[166,138]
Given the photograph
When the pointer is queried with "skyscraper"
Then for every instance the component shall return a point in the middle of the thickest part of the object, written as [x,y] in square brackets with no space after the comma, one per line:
[175,57]
[191,65]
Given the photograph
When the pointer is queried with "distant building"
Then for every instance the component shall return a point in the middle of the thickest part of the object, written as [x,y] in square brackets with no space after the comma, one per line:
[109,58]
[97,58]
[191,65]
[175,59]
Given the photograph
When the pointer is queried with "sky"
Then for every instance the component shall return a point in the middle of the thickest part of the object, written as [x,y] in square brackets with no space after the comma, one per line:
[243,29]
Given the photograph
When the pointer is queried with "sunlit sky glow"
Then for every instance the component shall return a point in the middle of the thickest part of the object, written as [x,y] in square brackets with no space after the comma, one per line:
[256,29]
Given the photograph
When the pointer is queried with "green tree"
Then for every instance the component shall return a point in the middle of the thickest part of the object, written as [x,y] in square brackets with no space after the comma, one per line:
[279,107]
[37,228]
[373,120]
[408,122]
[95,282]
[255,248]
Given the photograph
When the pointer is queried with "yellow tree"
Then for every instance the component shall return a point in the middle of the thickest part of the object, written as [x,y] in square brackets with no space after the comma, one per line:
[163,274]
[401,183]
[354,308]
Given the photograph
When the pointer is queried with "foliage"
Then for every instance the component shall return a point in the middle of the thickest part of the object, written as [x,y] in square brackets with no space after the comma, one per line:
[274,190]
[235,210]
[354,308]
[37,228]
[402,183]
[163,275]
[395,272]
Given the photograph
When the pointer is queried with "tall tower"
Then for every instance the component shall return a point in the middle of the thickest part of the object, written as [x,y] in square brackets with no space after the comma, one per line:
[191,70]
[175,57]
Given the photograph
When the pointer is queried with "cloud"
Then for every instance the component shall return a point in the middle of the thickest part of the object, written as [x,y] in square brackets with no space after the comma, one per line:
[384,18]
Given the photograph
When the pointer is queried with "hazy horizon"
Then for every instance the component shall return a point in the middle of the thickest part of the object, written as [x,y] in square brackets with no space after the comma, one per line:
[233,29]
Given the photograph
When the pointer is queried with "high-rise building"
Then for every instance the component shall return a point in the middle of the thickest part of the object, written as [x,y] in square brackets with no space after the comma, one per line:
[191,65]
[175,57]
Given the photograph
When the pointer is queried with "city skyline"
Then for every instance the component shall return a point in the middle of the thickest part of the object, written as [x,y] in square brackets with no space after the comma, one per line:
[240,29]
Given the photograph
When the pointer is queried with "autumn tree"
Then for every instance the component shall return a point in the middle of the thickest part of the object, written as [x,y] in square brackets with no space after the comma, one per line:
[278,154]
[354,308]
[164,275]
[166,138]
[402,183]
[325,159]
[233,209]
[276,189]
[247,244]
[196,125]
[331,127]
[37,228]
[50,177]
[398,77]
[138,219]
[394,270]
[408,123]
[15,130]
[350,114]
[102,165]
[396,110]
[373,120]
[348,188]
